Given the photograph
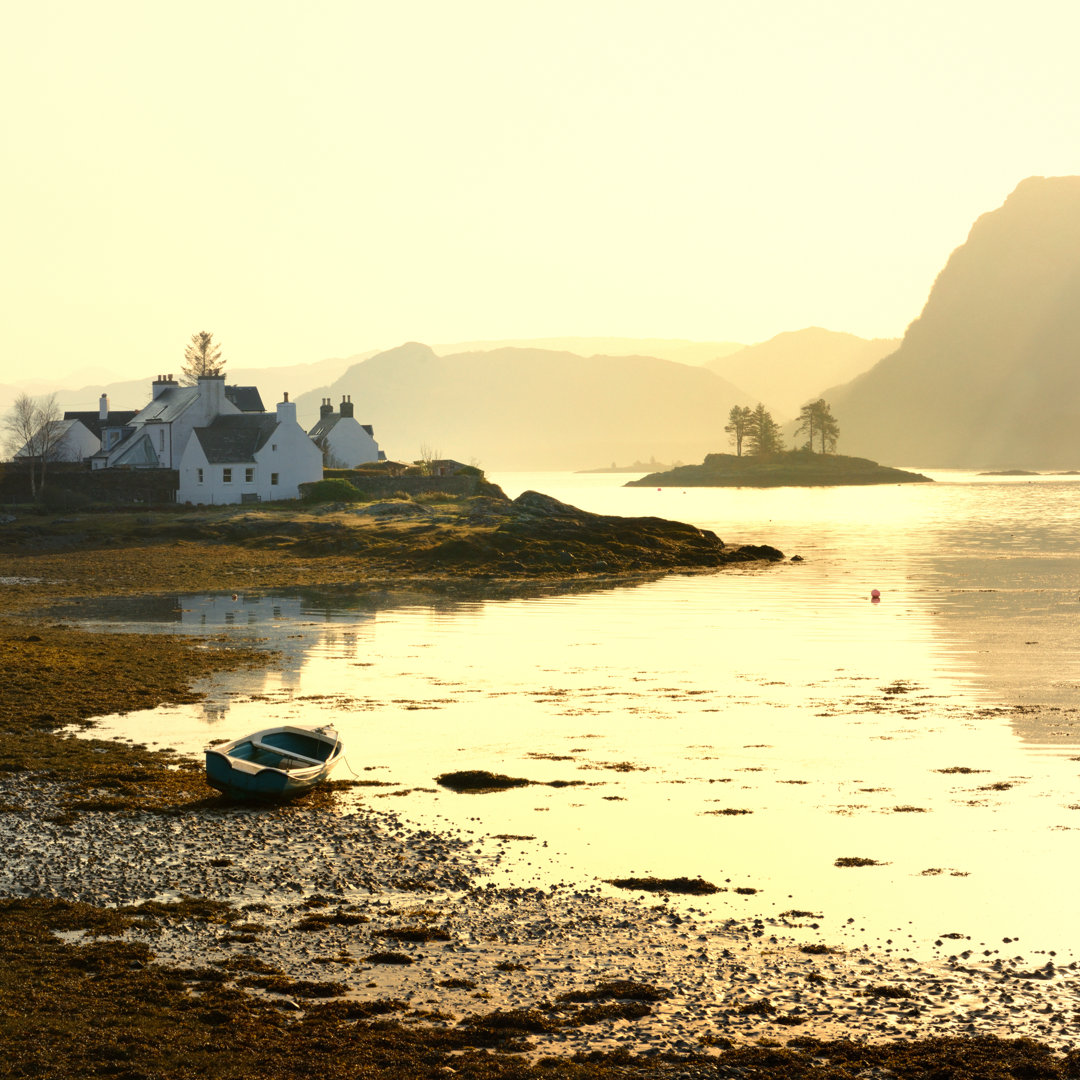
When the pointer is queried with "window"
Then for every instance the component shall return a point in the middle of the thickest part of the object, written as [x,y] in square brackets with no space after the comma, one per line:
[226,476]
[273,478]
[249,476]
[273,446]
[199,475]
[161,438]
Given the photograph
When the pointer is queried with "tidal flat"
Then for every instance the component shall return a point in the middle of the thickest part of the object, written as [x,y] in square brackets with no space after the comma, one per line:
[162,931]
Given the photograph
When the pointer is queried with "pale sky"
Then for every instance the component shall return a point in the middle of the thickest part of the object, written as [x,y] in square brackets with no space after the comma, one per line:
[313,180]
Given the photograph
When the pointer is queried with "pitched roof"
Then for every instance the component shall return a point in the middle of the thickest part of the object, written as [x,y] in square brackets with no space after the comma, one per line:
[327,424]
[92,420]
[231,439]
[172,402]
[245,398]
[324,426]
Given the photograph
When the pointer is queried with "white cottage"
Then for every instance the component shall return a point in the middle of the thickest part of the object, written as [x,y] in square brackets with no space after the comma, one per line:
[65,440]
[344,441]
[248,458]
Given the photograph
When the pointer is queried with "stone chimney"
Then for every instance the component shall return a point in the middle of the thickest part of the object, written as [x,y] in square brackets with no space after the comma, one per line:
[103,407]
[286,410]
[162,382]
[346,405]
[325,409]
[212,393]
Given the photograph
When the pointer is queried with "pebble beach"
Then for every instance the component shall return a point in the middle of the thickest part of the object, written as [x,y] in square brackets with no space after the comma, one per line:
[358,905]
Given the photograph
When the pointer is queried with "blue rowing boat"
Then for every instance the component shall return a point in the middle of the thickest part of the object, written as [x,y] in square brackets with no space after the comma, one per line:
[274,763]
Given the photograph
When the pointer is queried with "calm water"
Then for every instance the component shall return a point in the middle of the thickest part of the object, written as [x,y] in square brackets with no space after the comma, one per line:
[826,721]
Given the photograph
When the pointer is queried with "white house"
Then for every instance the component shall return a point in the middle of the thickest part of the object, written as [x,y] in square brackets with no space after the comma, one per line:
[344,441]
[79,435]
[157,435]
[248,457]
[62,440]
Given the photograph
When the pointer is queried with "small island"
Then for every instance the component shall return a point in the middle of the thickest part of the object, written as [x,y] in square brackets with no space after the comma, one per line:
[784,468]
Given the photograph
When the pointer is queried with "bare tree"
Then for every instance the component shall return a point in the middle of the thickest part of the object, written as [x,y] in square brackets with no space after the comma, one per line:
[33,433]
[428,456]
[202,357]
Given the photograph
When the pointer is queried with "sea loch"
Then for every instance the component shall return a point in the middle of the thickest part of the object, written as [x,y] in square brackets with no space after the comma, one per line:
[752,726]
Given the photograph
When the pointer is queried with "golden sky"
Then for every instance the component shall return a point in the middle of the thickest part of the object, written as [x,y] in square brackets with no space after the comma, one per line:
[312,180]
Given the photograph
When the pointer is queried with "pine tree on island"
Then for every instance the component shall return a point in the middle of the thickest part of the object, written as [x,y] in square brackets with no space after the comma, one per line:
[764,433]
[817,420]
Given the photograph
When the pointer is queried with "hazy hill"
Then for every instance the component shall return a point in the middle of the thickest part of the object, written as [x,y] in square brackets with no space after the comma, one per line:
[532,408]
[792,368]
[988,375]
[680,350]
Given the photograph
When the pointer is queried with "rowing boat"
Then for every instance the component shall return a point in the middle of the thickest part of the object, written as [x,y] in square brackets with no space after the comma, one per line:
[277,762]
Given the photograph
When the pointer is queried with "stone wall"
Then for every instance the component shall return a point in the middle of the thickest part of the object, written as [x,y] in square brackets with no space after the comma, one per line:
[69,484]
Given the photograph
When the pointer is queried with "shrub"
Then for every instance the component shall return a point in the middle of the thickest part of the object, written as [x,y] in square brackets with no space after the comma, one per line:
[336,490]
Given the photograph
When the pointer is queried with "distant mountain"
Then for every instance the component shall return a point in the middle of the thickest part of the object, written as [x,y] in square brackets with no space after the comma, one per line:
[794,367]
[680,350]
[515,408]
[988,375]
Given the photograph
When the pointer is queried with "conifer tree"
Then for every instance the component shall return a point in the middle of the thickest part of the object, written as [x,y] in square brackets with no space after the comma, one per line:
[764,432]
[202,357]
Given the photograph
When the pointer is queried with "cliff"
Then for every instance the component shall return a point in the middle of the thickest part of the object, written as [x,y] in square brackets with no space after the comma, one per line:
[987,376]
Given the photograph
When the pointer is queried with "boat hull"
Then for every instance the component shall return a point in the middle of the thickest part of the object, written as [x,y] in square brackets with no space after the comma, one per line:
[275,763]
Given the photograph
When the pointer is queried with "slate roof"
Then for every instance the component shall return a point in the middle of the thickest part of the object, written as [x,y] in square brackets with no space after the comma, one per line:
[173,401]
[245,398]
[325,425]
[92,420]
[235,439]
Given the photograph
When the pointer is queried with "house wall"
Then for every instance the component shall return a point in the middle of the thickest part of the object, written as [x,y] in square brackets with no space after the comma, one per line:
[287,460]
[77,444]
[349,445]
[293,456]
